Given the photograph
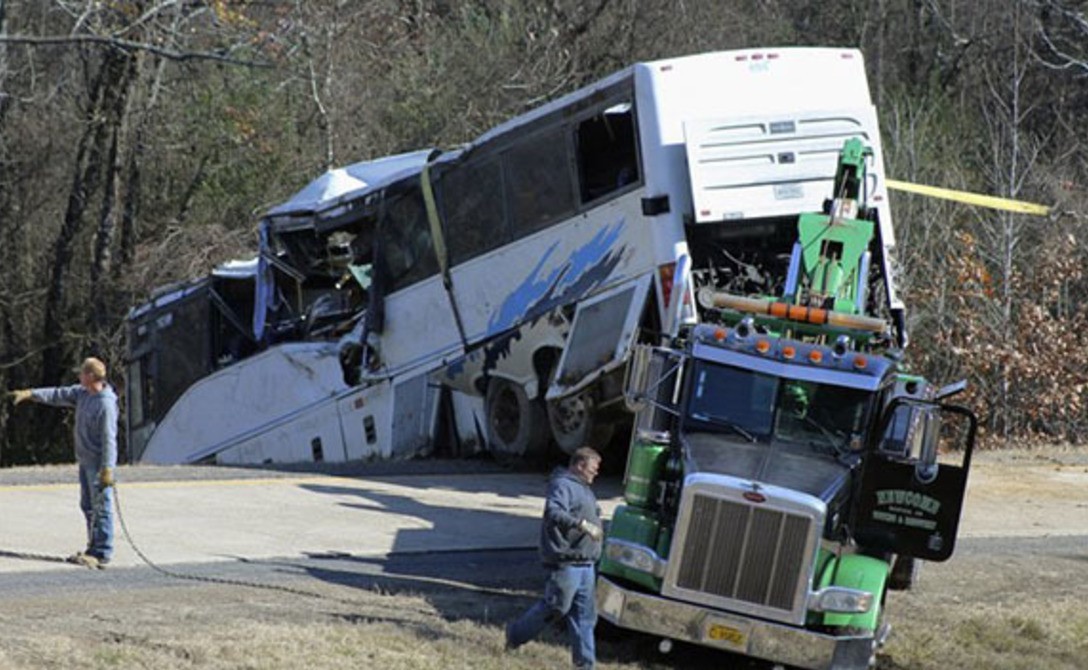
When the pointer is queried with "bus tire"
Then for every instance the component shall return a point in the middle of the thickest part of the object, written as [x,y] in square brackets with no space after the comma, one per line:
[574,423]
[515,424]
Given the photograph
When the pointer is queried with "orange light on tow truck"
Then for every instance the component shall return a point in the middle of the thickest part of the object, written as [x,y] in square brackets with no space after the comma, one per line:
[788,352]
[719,334]
[816,356]
[763,346]
[860,362]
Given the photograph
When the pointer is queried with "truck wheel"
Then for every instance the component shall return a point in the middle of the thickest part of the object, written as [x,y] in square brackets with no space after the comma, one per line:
[515,424]
[904,573]
[574,423]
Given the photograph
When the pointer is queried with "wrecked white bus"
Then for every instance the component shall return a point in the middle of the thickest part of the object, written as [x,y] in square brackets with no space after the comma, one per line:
[492,293]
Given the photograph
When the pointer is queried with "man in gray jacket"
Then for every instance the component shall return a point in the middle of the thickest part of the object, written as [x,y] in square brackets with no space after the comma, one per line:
[570,544]
[96,451]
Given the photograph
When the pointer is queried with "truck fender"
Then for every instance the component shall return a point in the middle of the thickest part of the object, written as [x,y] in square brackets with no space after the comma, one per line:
[856,571]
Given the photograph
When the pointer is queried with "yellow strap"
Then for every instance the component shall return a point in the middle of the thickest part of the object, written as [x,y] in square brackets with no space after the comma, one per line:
[970,198]
[432,219]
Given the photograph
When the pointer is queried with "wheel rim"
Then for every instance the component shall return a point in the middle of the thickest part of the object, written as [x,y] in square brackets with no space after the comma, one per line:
[569,415]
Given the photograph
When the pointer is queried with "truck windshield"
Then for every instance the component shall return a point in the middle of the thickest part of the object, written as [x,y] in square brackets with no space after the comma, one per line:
[760,407]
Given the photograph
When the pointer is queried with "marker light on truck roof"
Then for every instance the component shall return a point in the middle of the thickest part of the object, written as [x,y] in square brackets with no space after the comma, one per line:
[816,355]
[788,352]
[719,334]
[763,346]
[860,362]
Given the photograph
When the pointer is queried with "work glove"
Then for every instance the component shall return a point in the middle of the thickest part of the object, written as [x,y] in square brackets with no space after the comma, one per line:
[105,477]
[591,529]
[19,395]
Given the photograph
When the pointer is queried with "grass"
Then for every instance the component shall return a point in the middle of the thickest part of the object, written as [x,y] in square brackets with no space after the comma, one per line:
[251,645]
[997,636]
[1030,636]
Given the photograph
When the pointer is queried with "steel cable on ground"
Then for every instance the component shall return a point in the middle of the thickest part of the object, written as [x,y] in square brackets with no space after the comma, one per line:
[449,583]
[30,556]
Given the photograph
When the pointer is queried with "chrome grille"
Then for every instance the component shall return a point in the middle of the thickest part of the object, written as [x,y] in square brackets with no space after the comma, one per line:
[743,552]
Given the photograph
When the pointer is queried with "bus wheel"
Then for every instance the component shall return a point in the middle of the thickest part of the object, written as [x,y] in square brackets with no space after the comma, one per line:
[515,424]
[574,423]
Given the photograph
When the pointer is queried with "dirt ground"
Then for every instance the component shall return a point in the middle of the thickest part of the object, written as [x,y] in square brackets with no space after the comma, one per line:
[1013,597]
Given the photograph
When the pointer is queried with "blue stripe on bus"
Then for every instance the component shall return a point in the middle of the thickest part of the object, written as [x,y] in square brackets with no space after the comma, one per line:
[586,268]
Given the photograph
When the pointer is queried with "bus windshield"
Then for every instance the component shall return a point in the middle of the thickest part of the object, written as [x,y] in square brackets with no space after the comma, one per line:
[759,408]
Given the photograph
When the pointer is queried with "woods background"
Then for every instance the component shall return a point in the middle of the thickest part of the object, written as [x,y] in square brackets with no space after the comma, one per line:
[140,139]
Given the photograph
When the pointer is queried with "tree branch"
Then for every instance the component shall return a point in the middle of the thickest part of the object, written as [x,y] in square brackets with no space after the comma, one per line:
[130,45]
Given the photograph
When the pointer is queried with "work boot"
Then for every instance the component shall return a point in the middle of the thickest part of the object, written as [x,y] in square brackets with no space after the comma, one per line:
[86,560]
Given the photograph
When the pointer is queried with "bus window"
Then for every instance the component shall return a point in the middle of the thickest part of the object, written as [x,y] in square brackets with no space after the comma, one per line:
[538,182]
[472,206]
[406,237]
[606,152]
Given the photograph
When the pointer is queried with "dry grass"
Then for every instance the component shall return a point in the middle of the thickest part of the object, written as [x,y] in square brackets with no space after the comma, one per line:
[256,645]
[941,626]
[1029,636]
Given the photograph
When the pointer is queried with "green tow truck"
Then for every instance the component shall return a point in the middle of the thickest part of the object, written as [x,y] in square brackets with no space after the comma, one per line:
[786,472]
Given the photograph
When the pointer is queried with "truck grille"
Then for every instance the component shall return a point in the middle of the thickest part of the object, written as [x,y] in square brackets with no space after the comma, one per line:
[742,552]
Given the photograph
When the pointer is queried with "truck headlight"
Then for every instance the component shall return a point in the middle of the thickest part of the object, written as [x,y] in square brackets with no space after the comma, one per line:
[841,599]
[634,556]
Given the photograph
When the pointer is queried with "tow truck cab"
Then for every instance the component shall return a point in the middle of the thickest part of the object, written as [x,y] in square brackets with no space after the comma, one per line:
[778,488]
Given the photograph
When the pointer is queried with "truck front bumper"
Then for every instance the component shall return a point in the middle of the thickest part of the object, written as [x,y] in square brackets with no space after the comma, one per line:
[766,640]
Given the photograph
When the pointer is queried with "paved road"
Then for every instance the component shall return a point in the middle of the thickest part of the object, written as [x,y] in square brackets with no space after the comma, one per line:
[186,520]
[201,515]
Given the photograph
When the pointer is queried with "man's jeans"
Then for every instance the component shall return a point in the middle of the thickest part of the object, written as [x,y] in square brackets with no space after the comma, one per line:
[97,506]
[569,594]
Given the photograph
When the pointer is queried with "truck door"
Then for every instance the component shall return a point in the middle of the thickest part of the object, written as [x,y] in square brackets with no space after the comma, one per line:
[914,480]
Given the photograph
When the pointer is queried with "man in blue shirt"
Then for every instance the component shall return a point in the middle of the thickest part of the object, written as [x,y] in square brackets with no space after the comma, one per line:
[570,544]
[96,452]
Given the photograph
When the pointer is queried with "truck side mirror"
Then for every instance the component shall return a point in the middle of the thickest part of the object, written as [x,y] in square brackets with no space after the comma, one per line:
[651,379]
[900,430]
[637,378]
[950,390]
[913,434]
[930,425]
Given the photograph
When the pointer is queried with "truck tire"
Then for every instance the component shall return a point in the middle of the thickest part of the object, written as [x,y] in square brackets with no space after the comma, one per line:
[904,573]
[515,424]
[574,423]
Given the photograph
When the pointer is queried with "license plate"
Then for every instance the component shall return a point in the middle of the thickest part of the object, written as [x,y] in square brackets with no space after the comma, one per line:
[725,635]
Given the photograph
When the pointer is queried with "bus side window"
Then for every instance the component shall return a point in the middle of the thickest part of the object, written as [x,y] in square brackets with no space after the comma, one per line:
[408,249]
[472,207]
[607,152]
[538,182]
